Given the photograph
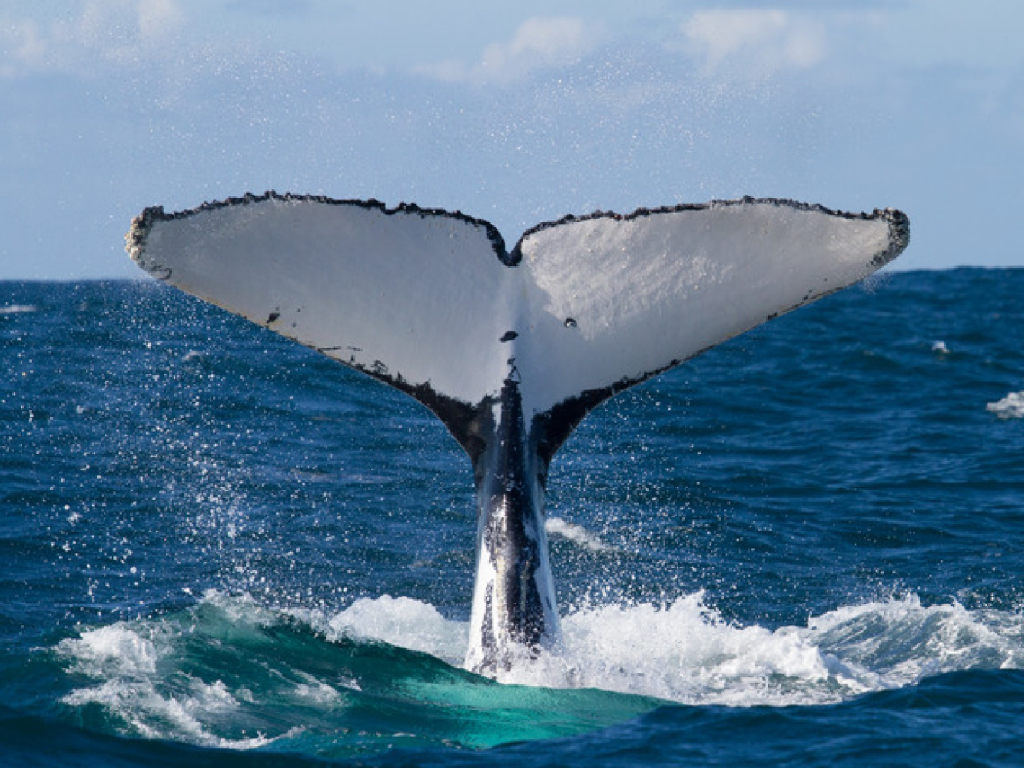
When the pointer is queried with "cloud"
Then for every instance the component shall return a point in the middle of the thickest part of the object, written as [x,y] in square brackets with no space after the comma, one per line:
[538,43]
[103,33]
[21,46]
[754,43]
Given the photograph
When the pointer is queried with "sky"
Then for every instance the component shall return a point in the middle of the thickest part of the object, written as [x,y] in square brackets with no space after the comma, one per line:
[513,112]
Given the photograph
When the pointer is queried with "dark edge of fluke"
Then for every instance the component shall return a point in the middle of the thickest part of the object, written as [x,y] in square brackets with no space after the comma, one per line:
[899,224]
[142,223]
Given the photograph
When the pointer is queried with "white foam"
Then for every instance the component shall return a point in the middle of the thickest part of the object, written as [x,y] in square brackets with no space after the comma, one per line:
[577,534]
[683,652]
[136,678]
[117,649]
[403,622]
[153,715]
[1010,407]
[687,653]
[15,309]
[899,642]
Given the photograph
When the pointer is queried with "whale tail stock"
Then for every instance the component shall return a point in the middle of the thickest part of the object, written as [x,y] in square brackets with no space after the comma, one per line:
[510,349]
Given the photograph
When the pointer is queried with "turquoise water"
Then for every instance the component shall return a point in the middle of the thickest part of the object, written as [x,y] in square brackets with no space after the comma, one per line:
[803,548]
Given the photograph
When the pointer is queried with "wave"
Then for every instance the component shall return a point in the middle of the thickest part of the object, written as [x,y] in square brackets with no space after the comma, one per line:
[230,673]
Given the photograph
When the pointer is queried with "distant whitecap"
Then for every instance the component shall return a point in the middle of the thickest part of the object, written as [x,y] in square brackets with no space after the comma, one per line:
[1010,407]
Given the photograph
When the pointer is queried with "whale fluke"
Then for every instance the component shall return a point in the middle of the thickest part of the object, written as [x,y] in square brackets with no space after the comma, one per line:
[510,348]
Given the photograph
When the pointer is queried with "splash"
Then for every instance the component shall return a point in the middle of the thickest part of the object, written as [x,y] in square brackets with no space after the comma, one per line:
[577,534]
[687,653]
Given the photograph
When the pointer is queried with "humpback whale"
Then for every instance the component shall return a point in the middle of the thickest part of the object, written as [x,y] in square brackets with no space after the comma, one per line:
[510,348]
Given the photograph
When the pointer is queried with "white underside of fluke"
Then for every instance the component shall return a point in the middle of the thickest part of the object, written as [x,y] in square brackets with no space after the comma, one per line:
[649,291]
[594,301]
[402,293]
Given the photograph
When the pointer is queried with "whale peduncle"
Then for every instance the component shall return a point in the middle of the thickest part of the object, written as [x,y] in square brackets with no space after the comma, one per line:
[513,613]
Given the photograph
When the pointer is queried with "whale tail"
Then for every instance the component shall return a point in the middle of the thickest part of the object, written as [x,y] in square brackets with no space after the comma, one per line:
[510,348]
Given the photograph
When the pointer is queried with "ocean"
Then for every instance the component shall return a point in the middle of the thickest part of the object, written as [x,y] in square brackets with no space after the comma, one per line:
[803,548]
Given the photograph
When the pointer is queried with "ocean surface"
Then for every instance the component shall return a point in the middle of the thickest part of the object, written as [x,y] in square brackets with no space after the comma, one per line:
[804,548]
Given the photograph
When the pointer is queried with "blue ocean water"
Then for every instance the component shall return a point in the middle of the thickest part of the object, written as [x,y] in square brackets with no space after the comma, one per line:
[805,547]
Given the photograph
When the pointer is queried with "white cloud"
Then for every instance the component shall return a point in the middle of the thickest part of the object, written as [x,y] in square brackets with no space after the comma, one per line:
[755,43]
[103,32]
[538,43]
